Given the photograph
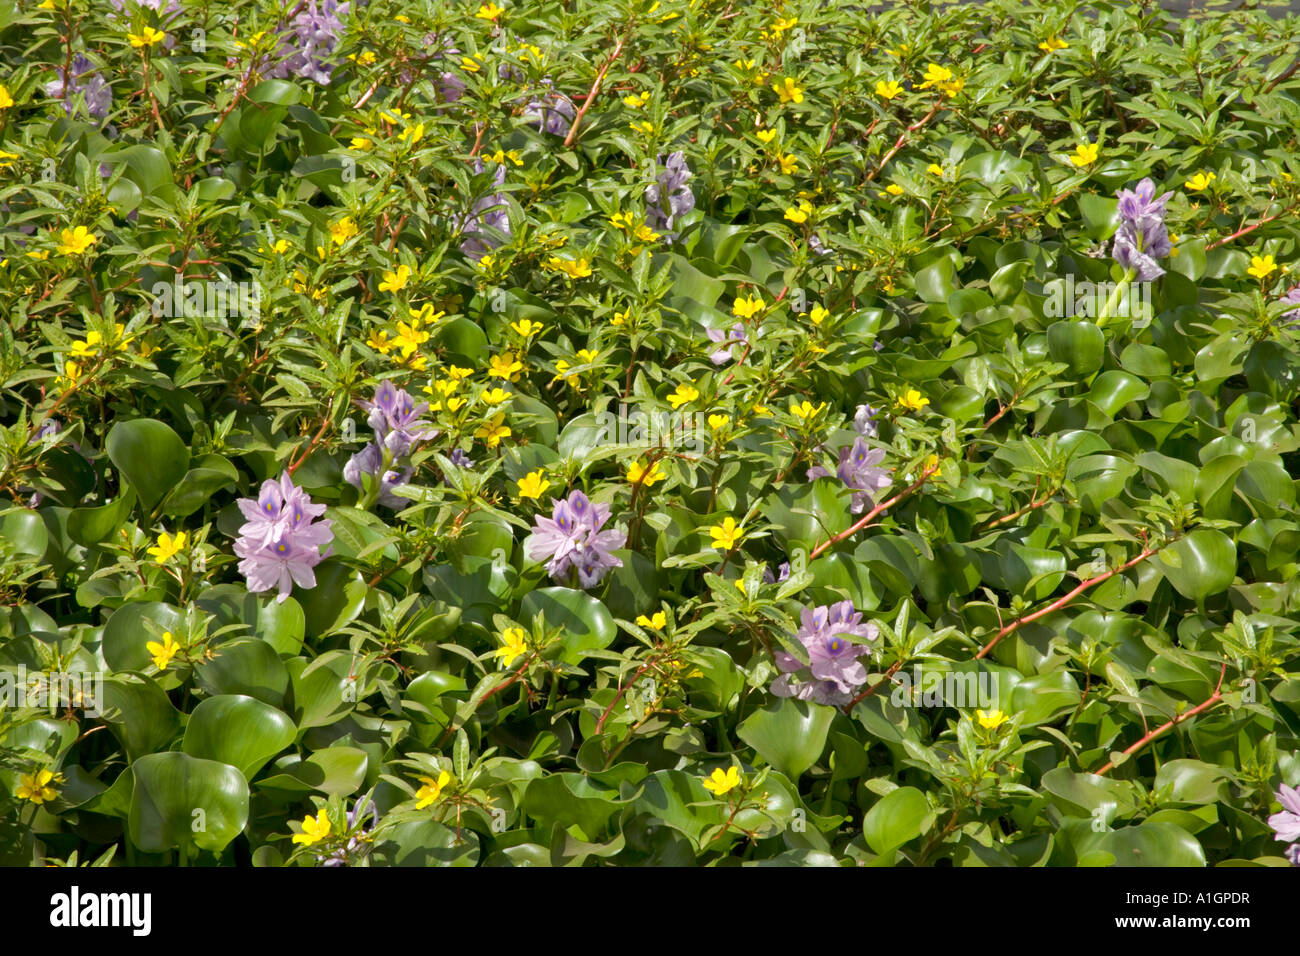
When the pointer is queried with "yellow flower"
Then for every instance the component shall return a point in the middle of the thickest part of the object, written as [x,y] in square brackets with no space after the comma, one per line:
[457,373]
[1053,43]
[888,90]
[991,719]
[424,315]
[412,134]
[747,307]
[718,422]
[1199,182]
[642,126]
[789,164]
[501,157]
[1085,154]
[492,431]
[71,373]
[1261,267]
[379,342]
[533,484]
[639,475]
[740,586]
[431,789]
[409,339]
[73,242]
[788,90]
[314,829]
[656,622]
[936,74]
[6,100]
[168,547]
[494,396]
[394,281]
[894,189]
[619,318]
[527,327]
[7,160]
[472,64]
[684,394]
[911,400]
[343,230]
[934,169]
[806,410]
[574,269]
[513,646]
[505,366]
[766,135]
[719,783]
[726,535]
[489,11]
[148,38]
[636,100]
[818,315]
[645,234]
[800,215]
[87,348]
[36,786]
[163,653]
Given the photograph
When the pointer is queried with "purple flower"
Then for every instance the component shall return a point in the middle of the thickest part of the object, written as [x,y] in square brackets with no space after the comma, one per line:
[1142,237]
[1292,298]
[460,459]
[279,544]
[834,671]
[724,354]
[370,461]
[571,540]
[859,470]
[487,220]
[864,421]
[398,427]
[396,419]
[553,112]
[86,83]
[1286,823]
[669,196]
[309,38]
[818,247]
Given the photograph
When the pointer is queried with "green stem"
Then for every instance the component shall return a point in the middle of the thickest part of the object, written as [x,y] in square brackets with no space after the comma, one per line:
[1115,297]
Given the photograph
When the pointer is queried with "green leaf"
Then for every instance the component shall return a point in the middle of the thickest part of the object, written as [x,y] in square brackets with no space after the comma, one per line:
[587,624]
[237,730]
[150,456]
[899,816]
[789,734]
[183,802]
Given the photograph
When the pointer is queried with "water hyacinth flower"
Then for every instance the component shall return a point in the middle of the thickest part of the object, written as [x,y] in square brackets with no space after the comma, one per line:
[280,542]
[736,336]
[859,470]
[571,540]
[553,112]
[835,670]
[1292,298]
[309,38]
[864,421]
[487,224]
[1286,823]
[669,196]
[86,85]
[1142,237]
[398,426]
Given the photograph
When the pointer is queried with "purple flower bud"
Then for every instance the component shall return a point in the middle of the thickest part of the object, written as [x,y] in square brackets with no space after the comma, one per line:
[669,197]
[86,85]
[1142,237]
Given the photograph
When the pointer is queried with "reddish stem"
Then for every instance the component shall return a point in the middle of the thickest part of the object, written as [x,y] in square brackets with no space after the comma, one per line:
[1213,699]
[867,518]
[1061,602]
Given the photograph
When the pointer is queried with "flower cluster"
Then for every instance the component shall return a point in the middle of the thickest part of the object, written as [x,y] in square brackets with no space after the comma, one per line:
[571,540]
[398,426]
[309,38]
[859,469]
[833,635]
[733,337]
[86,83]
[280,542]
[487,221]
[669,196]
[1142,237]
[1286,823]
[553,112]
